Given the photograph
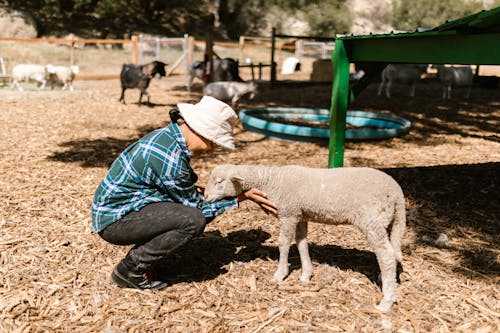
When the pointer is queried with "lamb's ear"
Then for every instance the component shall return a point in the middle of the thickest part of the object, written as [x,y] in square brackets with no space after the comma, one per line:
[236,179]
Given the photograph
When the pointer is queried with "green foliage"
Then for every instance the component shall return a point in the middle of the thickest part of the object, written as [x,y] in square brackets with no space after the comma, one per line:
[118,18]
[410,15]
[325,18]
[114,18]
[328,18]
[241,17]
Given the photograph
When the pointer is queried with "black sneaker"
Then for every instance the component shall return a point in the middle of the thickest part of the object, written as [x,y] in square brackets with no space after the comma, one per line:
[135,278]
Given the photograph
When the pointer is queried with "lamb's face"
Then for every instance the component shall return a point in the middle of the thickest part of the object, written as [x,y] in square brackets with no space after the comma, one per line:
[221,185]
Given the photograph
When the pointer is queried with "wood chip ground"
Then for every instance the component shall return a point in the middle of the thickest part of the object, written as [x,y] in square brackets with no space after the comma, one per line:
[56,147]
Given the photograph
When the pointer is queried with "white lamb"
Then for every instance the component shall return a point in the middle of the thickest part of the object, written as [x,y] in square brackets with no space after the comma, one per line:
[62,74]
[455,76]
[27,73]
[403,73]
[230,90]
[367,198]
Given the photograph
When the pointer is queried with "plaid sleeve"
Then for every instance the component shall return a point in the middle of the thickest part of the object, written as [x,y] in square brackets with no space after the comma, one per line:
[177,180]
[185,192]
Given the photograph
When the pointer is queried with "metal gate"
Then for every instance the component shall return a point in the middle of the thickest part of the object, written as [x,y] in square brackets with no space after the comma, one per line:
[173,51]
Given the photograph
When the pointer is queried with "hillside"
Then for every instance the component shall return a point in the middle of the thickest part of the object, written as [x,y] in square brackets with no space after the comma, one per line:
[370,16]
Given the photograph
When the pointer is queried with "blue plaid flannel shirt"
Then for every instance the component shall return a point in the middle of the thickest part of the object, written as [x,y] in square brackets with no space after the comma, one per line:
[153,169]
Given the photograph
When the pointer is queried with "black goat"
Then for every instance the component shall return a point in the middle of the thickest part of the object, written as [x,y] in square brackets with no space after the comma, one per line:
[224,70]
[139,76]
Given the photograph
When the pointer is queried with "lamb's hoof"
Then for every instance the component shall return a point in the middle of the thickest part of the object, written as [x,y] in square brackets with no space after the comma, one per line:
[279,276]
[384,305]
[305,277]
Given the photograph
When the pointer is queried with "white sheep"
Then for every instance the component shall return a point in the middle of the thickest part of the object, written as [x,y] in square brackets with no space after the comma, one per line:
[455,76]
[27,73]
[403,73]
[367,198]
[62,74]
[230,91]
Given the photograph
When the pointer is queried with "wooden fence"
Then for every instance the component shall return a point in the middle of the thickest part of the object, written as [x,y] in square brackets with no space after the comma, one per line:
[245,44]
[72,42]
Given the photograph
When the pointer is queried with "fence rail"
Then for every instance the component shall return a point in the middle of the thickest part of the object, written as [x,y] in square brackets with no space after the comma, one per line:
[72,42]
[247,50]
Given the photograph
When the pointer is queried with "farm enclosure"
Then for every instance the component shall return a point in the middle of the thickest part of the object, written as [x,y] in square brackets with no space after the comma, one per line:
[55,271]
[102,59]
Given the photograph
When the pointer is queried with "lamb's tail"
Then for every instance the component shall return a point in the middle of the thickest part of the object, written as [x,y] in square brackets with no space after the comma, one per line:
[398,229]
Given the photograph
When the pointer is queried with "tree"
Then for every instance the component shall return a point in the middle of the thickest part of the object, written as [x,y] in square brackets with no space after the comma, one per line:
[410,15]
[329,18]
[322,17]
[100,18]
[240,17]
[117,18]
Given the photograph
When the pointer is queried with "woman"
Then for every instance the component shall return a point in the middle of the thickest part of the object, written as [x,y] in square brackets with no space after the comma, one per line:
[149,198]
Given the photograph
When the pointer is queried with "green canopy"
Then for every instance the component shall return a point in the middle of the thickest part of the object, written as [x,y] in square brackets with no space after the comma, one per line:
[473,39]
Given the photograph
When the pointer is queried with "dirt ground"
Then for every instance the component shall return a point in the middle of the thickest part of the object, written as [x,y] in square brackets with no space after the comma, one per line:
[54,271]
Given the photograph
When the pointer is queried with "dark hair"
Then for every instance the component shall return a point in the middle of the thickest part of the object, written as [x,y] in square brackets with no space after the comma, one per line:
[175,115]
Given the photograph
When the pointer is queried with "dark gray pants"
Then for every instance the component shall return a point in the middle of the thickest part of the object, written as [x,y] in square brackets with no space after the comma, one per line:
[156,230]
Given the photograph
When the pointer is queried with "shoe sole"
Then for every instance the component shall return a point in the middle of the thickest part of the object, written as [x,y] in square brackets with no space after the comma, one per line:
[122,282]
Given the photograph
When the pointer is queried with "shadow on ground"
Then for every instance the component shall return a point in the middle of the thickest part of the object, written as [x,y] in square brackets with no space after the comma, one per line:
[95,153]
[460,201]
[476,117]
[204,258]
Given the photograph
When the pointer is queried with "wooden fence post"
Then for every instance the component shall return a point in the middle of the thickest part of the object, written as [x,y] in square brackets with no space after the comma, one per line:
[190,50]
[298,48]
[135,49]
[72,51]
[242,46]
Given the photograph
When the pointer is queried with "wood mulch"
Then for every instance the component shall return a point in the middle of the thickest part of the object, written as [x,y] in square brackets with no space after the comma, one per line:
[54,271]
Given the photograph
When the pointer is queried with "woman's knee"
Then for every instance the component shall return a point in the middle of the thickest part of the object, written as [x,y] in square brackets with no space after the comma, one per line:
[196,221]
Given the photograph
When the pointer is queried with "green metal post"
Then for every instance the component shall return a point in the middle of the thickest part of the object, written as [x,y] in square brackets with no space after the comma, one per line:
[338,111]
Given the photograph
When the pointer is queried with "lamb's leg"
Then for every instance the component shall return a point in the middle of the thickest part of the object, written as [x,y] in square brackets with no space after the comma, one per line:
[447,92]
[377,235]
[387,262]
[287,230]
[388,89]
[380,88]
[412,90]
[301,241]
[467,93]
[234,100]
[15,83]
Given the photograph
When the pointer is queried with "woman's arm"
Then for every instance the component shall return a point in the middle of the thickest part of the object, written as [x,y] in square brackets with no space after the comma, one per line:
[260,198]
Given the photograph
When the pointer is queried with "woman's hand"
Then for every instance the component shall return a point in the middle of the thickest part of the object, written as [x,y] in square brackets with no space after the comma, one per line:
[260,198]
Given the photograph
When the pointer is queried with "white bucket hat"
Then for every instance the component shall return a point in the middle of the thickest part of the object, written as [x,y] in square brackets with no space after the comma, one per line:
[212,119]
